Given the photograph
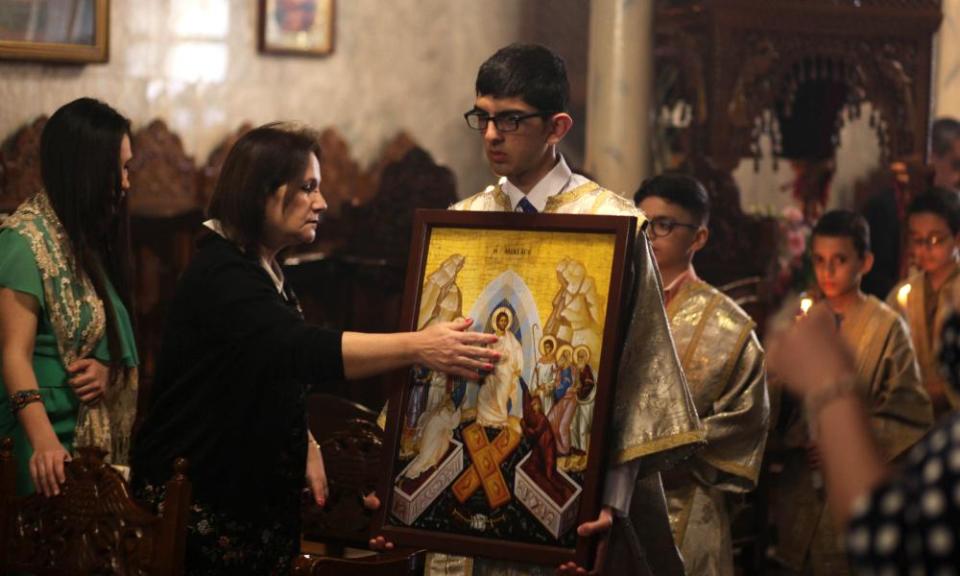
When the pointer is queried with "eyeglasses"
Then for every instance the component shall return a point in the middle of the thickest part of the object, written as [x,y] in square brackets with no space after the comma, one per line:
[508,122]
[932,241]
[662,226]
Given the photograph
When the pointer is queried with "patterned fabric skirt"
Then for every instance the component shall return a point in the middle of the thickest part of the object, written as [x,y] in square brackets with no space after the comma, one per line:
[221,544]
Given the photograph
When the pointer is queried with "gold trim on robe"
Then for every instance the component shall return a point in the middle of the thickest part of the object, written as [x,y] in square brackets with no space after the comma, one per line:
[724,365]
[888,379]
[654,420]
[926,338]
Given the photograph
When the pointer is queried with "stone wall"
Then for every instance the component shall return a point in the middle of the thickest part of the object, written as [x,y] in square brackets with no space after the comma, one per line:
[397,65]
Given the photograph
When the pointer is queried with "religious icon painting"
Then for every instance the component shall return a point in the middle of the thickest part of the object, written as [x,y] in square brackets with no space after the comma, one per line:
[74,32]
[296,27]
[509,464]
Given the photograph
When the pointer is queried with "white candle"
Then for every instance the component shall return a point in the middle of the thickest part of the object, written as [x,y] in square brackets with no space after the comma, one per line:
[903,295]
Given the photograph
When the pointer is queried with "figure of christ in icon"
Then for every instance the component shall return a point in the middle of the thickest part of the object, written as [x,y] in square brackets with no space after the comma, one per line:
[501,385]
[495,435]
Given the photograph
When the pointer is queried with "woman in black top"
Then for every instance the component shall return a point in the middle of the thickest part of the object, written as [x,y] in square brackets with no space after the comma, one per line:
[238,358]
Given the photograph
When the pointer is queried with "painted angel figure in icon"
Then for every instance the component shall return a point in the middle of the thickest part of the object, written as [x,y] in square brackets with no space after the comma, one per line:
[577,308]
[442,302]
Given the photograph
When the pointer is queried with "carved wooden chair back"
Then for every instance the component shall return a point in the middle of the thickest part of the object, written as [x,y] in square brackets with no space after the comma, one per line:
[94,526]
[20,165]
[352,444]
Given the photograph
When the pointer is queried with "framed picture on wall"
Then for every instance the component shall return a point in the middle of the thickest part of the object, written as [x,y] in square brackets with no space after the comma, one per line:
[296,27]
[74,31]
[508,465]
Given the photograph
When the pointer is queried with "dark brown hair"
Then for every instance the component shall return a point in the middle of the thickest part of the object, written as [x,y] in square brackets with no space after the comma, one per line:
[261,161]
[941,202]
[685,191]
[527,71]
[845,224]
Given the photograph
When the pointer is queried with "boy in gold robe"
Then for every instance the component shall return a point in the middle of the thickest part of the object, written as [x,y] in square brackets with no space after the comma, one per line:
[724,366]
[888,379]
[934,236]
[520,114]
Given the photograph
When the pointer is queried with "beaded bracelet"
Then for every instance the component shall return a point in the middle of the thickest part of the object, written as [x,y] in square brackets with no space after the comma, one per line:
[19,399]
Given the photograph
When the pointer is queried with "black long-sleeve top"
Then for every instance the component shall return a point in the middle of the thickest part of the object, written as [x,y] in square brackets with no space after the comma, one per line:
[236,361]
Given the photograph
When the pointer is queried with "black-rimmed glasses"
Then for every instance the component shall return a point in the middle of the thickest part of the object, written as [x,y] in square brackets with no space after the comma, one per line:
[662,226]
[508,122]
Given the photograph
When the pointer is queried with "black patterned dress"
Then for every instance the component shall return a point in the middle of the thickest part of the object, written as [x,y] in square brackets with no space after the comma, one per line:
[911,524]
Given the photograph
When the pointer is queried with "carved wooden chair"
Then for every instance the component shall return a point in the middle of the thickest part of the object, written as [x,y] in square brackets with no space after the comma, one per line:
[165,218]
[335,537]
[93,526]
[20,165]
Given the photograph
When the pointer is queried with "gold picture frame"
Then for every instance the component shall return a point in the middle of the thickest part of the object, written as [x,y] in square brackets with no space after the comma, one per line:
[295,27]
[70,31]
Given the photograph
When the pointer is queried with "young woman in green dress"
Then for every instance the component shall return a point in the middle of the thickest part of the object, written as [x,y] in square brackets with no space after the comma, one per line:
[67,350]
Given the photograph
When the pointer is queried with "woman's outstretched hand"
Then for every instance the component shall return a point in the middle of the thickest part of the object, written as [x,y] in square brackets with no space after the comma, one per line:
[447,347]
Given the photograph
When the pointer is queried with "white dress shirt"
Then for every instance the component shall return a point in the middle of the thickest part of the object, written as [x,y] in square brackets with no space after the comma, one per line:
[558,180]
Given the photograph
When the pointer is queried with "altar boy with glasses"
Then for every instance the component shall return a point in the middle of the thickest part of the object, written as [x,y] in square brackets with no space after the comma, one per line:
[520,112]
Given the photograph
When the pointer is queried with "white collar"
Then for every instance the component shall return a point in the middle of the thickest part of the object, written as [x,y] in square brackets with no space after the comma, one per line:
[555,182]
[273,270]
[214,224]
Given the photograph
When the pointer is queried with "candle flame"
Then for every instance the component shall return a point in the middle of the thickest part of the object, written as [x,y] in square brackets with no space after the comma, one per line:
[903,294]
[805,305]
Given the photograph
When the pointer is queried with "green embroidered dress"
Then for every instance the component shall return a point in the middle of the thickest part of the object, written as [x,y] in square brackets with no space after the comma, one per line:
[34,260]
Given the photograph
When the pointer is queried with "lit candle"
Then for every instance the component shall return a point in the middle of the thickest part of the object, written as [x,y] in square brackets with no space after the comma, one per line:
[805,305]
[903,294]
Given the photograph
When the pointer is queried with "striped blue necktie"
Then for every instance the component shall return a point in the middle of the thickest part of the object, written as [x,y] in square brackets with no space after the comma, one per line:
[525,206]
